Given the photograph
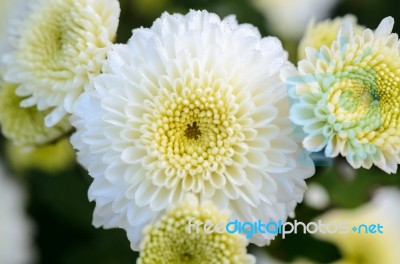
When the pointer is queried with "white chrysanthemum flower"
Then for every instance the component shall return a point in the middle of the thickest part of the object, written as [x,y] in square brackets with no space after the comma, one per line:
[58,48]
[348,97]
[368,248]
[170,241]
[325,33]
[193,104]
[15,228]
[289,18]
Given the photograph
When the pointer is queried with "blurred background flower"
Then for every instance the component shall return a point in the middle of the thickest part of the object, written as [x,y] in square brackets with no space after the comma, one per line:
[51,158]
[16,243]
[9,10]
[361,246]
[323,33]
[316,196]
[289,18]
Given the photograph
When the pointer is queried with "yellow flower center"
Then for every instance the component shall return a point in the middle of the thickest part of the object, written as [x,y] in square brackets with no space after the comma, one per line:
[194,131]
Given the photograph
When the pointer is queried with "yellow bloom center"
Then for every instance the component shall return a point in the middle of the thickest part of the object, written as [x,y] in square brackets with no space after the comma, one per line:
[193,131]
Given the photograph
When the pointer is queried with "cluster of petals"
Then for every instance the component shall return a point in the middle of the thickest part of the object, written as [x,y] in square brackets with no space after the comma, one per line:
[347,97]
[58,47]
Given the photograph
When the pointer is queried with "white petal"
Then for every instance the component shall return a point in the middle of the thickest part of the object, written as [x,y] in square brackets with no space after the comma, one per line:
[385,27]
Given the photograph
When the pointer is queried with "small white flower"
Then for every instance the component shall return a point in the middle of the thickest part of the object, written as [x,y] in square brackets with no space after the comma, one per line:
[289,18]
[316,196]
[15,228]
[58,48]
[192,105]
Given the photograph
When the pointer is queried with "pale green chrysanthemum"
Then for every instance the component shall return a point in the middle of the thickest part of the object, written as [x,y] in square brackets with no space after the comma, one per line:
[325,32]
[50,158]
[349,97]
[58,48]
[25,126]
[168,241]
